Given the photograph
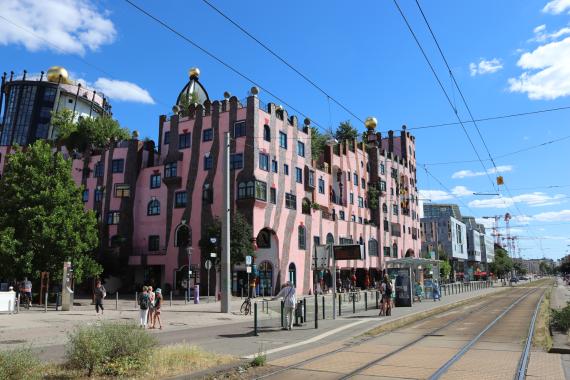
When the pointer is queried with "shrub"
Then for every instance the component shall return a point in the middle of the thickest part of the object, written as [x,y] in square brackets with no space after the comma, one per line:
[19,364]
[113,349]
[258,361]
[561,318]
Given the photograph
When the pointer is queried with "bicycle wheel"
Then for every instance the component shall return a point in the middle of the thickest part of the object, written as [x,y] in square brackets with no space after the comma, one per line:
[245,306]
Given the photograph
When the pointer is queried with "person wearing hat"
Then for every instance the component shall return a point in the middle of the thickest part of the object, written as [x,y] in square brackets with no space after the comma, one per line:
[157,309]
[289,301]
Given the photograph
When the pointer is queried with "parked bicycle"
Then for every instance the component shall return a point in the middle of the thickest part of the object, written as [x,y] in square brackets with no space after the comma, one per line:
[246,306]
[25,300]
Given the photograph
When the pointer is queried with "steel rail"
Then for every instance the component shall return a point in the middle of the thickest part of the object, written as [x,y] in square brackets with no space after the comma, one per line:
[523,362]
[443,369]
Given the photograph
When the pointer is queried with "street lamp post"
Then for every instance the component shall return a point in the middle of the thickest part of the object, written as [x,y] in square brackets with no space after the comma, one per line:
[189,253]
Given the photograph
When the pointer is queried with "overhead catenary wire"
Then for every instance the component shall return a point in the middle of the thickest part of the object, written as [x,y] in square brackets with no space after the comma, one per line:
[283,60]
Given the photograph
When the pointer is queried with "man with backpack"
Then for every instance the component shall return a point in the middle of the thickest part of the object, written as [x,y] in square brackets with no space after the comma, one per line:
[100,294]
[144,305]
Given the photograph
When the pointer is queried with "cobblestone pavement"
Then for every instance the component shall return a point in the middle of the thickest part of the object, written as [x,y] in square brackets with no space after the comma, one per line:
[421,349]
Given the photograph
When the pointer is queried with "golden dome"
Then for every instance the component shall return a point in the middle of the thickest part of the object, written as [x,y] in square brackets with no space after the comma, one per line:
[194,72]
[54,72]
[370,122]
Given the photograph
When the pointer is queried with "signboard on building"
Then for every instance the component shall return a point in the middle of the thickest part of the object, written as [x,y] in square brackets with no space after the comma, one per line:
[348,252]
[320,258]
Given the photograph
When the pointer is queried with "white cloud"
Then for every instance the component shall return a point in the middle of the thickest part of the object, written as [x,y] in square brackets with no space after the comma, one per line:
[553,216]
[488,223]
[546,69]
[73,26]
[556,6]
[434,195]
[535,199]
[461,191]
[470,173]
[122,90]
[485,66]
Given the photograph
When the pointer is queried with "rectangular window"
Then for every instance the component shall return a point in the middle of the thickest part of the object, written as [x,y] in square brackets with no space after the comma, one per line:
[153,243]
[261,190]
[166,137]
[299,175]
[155,181]
[184,141]
[264,162]
[286,169]
[239,129]
[274,166]
[382,185]
[344,241]
[207,134]
[98,196]
[300,149]
[85,196]
[170,170]
[360,202]
[311,178]
[394,173]
[341,215]
[348,176]
[355,179]
[395,209]
[290,201]
[382,169]
[113,217]
[180,199]
[273,195]
[387,251]
[321,186]
[208,163]
[353,218]
[351,198]
[117,166]
[363,183]
[98,170]
[236,161]
[122,190]
[386,226]
[283,140]
[360,219]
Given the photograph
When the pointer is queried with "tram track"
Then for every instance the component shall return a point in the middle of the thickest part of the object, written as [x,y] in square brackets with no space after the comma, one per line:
[444,321]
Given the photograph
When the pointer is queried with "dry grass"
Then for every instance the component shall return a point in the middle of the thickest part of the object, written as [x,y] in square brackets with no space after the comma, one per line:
[542,338]
[165,361]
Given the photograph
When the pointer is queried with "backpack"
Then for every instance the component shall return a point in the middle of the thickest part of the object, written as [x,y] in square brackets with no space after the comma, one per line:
[144,304]
[389,289]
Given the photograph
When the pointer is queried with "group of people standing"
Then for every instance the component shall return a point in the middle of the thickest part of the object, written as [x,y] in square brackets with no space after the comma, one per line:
[150,305]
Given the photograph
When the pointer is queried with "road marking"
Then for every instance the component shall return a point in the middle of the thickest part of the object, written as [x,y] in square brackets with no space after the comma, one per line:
[313,339]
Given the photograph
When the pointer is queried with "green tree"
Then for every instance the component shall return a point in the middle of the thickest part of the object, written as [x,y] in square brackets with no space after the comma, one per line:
[519,268]
[186,100]
[87,133]
[318,142]
[241,234]
[502,264]
[445,268]
[346,132]
[42,219]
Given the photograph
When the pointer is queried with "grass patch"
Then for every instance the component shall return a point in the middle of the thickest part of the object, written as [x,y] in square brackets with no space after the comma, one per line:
[19,364]
[542,338]
[259,361]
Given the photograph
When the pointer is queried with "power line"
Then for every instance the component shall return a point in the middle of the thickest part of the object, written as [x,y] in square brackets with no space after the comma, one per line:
[280,58]
[219,60]
[443,89]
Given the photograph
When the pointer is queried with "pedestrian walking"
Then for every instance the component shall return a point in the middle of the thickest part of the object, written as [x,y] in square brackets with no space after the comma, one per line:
[151,297]
[289,300]
[387,297]
[100,294]
[436,294]
[157,309]
[144,303]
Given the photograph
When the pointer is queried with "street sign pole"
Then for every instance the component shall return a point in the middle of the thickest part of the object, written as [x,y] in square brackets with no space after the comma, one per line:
[225,269]
[331,255]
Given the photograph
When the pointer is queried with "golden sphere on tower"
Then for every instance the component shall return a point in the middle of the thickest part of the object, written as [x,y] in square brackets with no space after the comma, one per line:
[370,122]
[54,72]
[194,72]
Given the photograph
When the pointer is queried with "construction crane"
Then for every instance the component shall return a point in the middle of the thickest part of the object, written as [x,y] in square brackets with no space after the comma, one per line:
[508,233]
[495,233]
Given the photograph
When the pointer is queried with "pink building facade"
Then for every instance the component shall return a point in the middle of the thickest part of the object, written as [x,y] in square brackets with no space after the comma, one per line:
[154,201]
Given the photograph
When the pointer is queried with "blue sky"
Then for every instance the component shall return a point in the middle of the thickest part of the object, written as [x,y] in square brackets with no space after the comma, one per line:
[508,57]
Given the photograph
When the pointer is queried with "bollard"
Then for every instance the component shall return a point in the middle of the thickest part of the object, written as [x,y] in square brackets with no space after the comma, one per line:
[297,312]
[10,306]
[316,311]
[45,303]
[56,301]
[282,308]
[136,299]
[117,300]
[339,306]
[171,298]
[353,303]
[255,319]
[304,309]
[186,296]
[19,299]
[324,316]
[365,301]
[377,306]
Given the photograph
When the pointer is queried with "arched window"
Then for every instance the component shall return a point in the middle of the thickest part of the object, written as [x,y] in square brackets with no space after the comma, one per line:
[183,237]
[293,274]
[384,208]
[395,250]
[264,239]
[306,206]
[153,207]
[241,190]
[266,133]
[330,238]
[302,234]
[372,247]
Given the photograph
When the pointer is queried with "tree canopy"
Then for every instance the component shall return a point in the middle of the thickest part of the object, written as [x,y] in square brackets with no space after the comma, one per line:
[346,132]
[502,264]
[318,142]
[42,219]
[87,133]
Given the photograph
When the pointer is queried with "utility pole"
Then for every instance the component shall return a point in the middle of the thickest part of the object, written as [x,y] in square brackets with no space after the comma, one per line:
[225,273]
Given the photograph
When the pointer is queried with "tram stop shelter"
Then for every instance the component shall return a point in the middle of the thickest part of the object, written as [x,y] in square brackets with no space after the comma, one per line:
[421,273]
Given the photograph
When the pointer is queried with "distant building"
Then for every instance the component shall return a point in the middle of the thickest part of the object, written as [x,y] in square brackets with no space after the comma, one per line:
[26,104]
[440,210]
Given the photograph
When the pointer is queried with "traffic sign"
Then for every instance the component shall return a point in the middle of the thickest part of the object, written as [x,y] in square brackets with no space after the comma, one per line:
[248,269]
[213,240]
[208,264]
[248,260]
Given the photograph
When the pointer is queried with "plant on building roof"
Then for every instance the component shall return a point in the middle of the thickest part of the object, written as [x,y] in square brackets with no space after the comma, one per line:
[315,206]
[318,143]
[346,132]
[42,218]
[186,101]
